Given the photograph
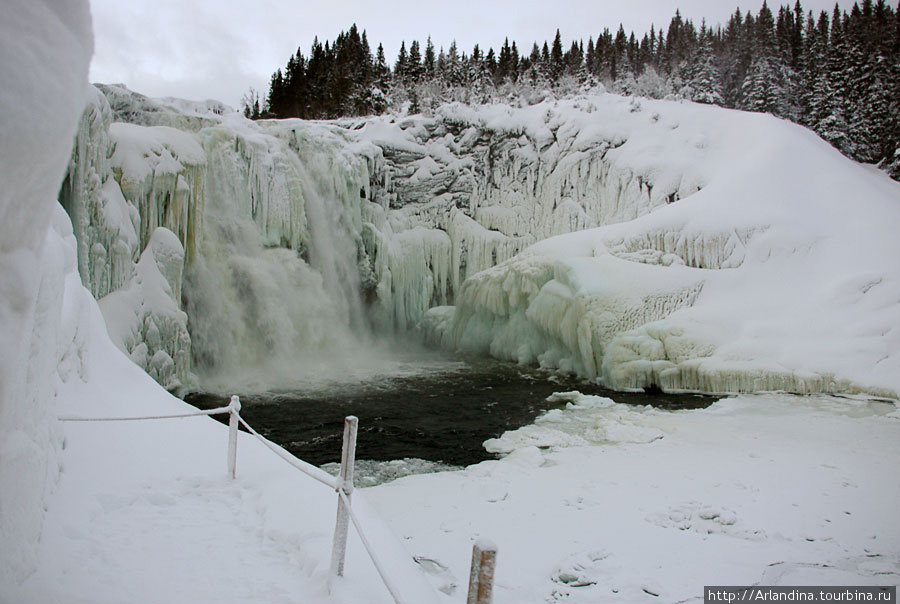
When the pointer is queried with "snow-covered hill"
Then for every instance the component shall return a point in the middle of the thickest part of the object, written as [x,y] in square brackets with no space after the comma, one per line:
[781,272]
[746,255]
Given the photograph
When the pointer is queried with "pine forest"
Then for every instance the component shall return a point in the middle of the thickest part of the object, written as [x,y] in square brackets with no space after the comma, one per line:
[838,73]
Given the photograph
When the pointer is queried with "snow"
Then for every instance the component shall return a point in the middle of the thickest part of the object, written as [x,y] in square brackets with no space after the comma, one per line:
[98,512]
[598,502]
[144,317]
[144,150]
[747,284]
[137,501]
[46,48]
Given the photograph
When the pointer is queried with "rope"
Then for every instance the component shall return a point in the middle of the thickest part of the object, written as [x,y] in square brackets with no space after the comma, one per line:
[66,418]
[370,550]
[307,468]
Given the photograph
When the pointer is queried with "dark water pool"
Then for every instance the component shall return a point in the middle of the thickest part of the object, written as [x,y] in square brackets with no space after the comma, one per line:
[439,415]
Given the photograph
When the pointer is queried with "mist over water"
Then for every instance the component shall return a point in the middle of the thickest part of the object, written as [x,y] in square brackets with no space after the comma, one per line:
[273,293]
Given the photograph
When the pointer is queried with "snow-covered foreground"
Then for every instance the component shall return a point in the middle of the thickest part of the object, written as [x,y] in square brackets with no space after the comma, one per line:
[595,502]
[606,503]
[144,512]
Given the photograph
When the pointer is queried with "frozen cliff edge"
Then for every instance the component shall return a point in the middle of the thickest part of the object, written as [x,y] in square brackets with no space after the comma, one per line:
[782,273]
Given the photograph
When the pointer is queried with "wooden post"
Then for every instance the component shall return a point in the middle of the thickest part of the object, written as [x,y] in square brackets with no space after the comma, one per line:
[481,576]
[235,407]
[345,484]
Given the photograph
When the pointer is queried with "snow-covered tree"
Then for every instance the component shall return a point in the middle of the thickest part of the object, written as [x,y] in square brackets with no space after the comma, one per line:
[704,83]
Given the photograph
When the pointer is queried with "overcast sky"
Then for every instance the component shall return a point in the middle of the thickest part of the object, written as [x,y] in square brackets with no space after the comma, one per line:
[199,49]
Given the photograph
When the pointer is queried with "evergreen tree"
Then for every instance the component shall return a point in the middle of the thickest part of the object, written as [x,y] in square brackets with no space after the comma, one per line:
[382,72]
[704,82]
[400,67]
[556,57]
[453,71]
[415,70]
[429,59]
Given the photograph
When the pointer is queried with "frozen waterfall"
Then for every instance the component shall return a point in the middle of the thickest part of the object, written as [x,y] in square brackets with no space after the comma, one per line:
[306,244]
[269,229]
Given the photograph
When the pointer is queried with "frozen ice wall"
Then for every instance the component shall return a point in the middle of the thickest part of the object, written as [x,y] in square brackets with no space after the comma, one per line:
[275,289]
[189,215]
[301,239]
[46,48]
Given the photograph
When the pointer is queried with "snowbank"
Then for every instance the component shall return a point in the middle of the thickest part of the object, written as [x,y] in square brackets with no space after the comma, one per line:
[781,272]
[46,48]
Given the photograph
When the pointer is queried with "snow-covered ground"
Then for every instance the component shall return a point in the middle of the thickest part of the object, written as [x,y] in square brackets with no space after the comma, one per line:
[595,502]
[600,502]
[144,511]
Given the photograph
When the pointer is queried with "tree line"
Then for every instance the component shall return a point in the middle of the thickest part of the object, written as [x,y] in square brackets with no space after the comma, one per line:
[837,73]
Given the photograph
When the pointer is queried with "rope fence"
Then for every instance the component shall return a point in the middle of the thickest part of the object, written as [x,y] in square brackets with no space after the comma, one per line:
[483,553]
[70,418]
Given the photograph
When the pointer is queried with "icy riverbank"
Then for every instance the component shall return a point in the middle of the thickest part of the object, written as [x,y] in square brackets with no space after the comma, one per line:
[607,503]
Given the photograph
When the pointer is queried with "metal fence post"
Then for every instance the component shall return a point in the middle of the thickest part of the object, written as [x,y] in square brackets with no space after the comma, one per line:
[345,484]
[233,410]
[481,576]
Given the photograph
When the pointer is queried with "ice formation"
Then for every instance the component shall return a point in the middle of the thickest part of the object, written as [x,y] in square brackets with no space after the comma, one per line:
[266,226]
[301,238]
